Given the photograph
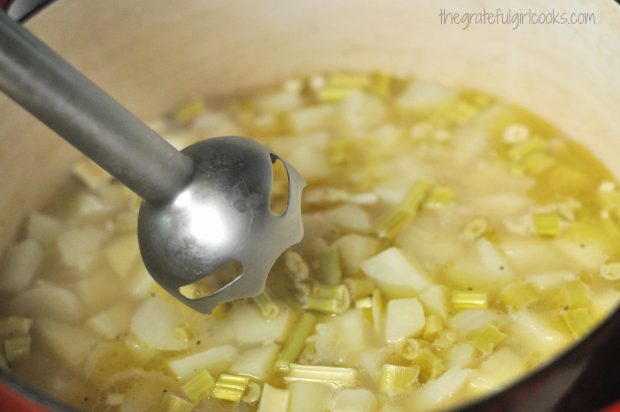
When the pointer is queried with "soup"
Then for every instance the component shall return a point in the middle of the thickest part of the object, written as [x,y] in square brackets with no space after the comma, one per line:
[453,242]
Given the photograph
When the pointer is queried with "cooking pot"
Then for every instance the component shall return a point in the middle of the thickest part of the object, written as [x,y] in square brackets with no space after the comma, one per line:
[154,54]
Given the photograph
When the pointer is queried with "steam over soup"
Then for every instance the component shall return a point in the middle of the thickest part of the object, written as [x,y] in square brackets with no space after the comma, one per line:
[453,243]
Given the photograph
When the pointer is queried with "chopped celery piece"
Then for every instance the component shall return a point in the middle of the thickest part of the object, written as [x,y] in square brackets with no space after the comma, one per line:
[444,341]
[332,375]
[518,295]
[537,163]
[609,199]
[573,295]
[15,325]
[296,341]
[410,348]
[350,80]
[462,299]
[611,271]
[188,112]
[330,94]
[198,386]
[140,351]
[396,274]
[520,151]
[440,197]
[324,305]
[398,380]
[230,387]
[268,308]
[475,229]
[417,195]
[359,287]
[431,365]
[296,265]
[487,338]
[405,318]
[393,223]
[432,326]
[578,321]
[381,84]
[16,348]
[273,399]
[330,266]
[172,403]
[546,224]
[252,393]
[332,299]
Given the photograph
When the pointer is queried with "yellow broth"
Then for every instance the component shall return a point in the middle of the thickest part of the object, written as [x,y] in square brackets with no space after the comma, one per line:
[453,242]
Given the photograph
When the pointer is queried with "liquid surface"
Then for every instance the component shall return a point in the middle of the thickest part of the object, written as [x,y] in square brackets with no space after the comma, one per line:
[452,243]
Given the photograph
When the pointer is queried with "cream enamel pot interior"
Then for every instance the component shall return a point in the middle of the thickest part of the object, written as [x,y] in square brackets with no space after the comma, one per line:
[153,54]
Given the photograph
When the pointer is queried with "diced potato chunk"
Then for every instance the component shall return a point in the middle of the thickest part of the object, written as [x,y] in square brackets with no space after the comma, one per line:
[435,300]
[354,400]
[498,370]
[405,318]
[123,253]
[309,397]
[112,322]
[92,175]
[585,255]
[461,355]
[469,320]
[215,360]
[349,217]
[311,118]
[47,300]
[341,339]
[70,343]
[78,246]
[42,227]
[354,249]
[396,274]
[20,265]
[251,327]
[421,96]
[537,334]
[155,323]
[438,392]
[257,362]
